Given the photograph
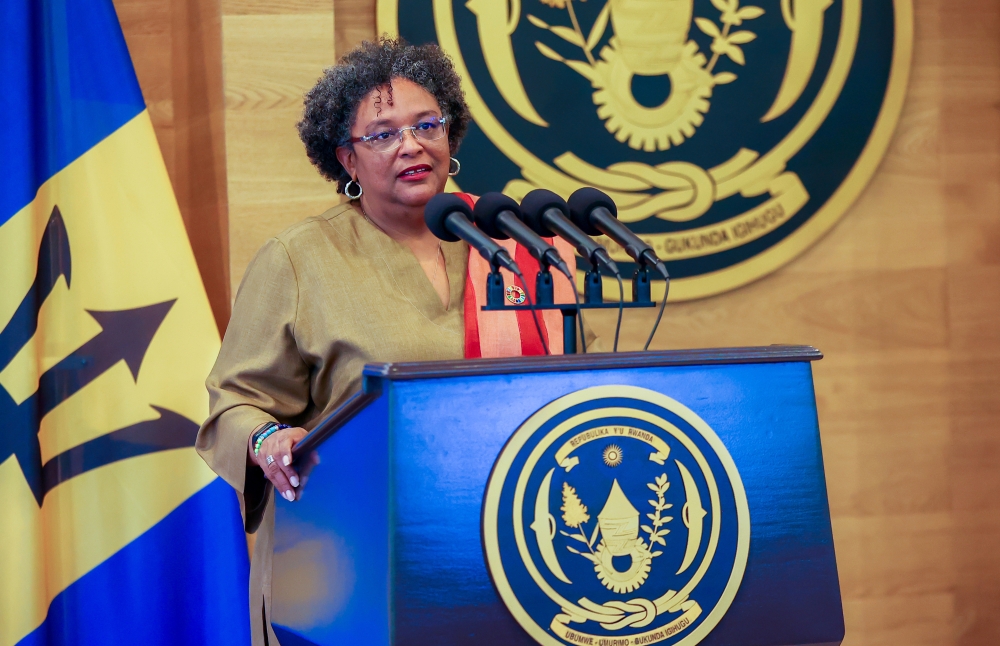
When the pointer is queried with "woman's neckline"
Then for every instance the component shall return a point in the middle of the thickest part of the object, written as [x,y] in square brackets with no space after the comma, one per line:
[440,259]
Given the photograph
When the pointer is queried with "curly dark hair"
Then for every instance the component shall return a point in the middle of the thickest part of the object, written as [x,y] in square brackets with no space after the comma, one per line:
[331,106]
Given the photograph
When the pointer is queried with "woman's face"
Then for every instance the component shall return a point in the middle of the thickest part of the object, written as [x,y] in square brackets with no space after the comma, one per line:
[414,172]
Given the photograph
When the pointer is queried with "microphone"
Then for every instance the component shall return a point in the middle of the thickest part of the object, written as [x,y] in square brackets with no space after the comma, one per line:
[595,213]
[449,218]
[545,212]
[500,217]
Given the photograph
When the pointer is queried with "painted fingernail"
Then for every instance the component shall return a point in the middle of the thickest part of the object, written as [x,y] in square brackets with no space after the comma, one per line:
[294,480]
[289,496]
[287,460]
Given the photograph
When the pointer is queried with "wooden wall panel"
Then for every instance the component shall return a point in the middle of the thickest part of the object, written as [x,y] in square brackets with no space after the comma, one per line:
[971,174]
[176,48]
[274,51]
[903,296]
[355,23]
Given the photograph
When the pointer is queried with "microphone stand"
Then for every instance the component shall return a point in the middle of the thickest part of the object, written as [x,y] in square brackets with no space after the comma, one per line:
[494,288]
[545,297]
[593,286]
[544,290]
[641,289]
[570,311]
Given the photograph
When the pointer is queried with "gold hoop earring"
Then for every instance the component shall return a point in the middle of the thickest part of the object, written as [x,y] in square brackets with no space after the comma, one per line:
[347,190]
[454,167]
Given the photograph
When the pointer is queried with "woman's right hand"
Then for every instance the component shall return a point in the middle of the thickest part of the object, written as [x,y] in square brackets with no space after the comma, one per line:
[275,459]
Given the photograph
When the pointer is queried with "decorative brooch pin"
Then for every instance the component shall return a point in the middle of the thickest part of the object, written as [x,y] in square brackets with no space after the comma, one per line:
[515,294]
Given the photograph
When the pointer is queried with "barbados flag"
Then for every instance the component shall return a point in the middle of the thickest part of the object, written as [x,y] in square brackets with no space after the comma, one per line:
[112,529]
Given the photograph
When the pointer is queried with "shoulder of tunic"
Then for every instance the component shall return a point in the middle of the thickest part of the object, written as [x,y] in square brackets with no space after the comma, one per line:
[335,230]
[338,216]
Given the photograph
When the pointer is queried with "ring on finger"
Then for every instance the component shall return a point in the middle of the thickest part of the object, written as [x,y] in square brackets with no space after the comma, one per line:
[269,460]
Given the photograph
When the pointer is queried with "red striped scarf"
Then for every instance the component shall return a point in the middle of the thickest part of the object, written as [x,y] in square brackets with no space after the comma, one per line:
[512,334]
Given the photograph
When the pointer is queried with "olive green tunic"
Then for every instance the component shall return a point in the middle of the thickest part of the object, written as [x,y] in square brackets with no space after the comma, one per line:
[318,301]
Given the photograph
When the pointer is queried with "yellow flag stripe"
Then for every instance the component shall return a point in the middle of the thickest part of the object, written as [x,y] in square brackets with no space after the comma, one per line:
[129,249]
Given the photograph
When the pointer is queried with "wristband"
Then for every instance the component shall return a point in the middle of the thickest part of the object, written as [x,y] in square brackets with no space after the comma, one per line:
[265,432]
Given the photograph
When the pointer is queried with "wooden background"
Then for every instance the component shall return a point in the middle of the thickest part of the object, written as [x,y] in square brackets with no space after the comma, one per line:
[176,47]
[903,296]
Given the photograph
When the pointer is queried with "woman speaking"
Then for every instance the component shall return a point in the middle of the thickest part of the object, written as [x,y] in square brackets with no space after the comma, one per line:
[366,281]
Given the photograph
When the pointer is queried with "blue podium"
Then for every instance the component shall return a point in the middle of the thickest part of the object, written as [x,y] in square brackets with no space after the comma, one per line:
[614,499]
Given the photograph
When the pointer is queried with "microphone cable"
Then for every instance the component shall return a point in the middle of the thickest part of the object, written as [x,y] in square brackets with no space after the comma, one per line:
[534,313]
[666,291]
[621,309]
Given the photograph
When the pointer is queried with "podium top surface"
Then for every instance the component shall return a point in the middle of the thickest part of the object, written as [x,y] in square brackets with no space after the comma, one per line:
[375,374]
[594,361]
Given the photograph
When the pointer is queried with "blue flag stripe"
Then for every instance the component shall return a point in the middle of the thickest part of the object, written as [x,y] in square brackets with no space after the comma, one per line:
[172,585]
[67,82]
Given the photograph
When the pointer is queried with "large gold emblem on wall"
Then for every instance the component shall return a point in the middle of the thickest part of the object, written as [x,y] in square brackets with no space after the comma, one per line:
[731,135]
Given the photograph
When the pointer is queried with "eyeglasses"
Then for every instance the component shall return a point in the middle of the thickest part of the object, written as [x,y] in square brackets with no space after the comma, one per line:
[389,139]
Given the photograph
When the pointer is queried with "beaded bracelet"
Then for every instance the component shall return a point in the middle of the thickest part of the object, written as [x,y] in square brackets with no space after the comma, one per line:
[265,432]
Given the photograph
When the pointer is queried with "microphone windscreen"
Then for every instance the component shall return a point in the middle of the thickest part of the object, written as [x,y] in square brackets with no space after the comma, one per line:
[535,204]
[438,208]
[488,208]
[583,201]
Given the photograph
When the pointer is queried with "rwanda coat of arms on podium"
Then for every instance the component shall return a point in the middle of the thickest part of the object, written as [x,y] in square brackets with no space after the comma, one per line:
[731,133]
[615,516]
